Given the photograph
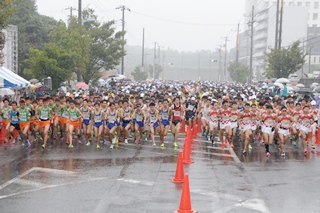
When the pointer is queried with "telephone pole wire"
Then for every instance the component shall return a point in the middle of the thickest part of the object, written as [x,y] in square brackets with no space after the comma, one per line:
[123,8]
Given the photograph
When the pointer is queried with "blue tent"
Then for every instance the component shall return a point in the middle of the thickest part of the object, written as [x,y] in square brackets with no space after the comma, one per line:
[12,80]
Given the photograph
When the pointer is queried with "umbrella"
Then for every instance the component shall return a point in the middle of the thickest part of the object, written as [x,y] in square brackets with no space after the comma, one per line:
[6,91]
[273,80]
[278,85]
[300,85]
[33,81]
[265,87]
[317,89]
[296,88]
[282,80]
[82,85]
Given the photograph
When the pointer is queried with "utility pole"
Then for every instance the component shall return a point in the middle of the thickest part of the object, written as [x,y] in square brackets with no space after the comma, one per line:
[163,55]
[280,27]
[251,49]
[225,57]
[123,8]
[237,44]
[220,63]
[277,26]
[142,62]
[80,12]
[71,9]
[154,60]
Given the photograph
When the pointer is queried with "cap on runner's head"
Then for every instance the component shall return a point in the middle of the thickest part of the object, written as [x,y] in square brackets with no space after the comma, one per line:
[313,103]
[193,99]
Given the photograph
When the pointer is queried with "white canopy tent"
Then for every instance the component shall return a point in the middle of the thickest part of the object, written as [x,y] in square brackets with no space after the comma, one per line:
[12,80]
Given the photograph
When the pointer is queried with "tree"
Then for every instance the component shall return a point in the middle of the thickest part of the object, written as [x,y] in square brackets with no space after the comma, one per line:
[138,74]
[284,61]
[157,71]
[33,29]
[238,72]
[76,41]
[105,50]
[52,61]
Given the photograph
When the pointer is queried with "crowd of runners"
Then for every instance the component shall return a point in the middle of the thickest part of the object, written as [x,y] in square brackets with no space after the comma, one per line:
[139,112]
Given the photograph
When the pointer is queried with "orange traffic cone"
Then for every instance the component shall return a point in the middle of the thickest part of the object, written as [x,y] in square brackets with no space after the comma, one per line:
[318,137]
[3,134]
[185,201]
[199,125]
[183,126]
[186,154]
[189,127]
[179,178]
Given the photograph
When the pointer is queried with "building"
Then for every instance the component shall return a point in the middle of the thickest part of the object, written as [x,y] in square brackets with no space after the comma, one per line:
[10,50]
[300,22]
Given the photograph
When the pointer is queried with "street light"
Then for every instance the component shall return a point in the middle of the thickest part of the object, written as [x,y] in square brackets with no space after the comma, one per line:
[88,20]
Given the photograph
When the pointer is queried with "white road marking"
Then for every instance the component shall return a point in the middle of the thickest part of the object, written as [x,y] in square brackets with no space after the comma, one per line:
[16,178]
[254,204]
[235,157]
[30,183]
[51,186]
[146,183]
[56,171]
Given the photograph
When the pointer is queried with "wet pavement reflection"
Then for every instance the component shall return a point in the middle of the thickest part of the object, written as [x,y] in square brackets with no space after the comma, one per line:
[137,177]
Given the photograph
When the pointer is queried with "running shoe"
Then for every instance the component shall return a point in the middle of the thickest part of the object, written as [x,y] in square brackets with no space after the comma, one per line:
[250,147]
[232,146]
[88,143]
[162,145]
[126,141]
[111,146]
[114,141]
[70,146]
[146,140]
[244,151]
[27,144]
[267,154]
[212,142]
[136,141]
[294,143]
[103,142]
[208,138]
[257,136]
[305,151]
[261,141]
[154,145]
[139,141]
[175,144]
[203,133]
[97,147]
[313,147]
[226,142]
[43,146]
[283,154]
[79,141]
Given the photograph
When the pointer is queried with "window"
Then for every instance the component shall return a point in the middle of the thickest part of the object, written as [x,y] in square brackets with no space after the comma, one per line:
[315,16]
[299,3]
[314,59]
[316,5]
[308,4]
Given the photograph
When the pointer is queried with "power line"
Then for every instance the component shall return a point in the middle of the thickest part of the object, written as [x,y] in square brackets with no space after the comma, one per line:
[181,22]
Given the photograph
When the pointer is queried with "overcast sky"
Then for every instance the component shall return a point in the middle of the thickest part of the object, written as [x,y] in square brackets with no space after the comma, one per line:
[179,24]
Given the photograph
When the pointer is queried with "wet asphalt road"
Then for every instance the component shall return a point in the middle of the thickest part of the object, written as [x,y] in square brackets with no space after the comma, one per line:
[136,178]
